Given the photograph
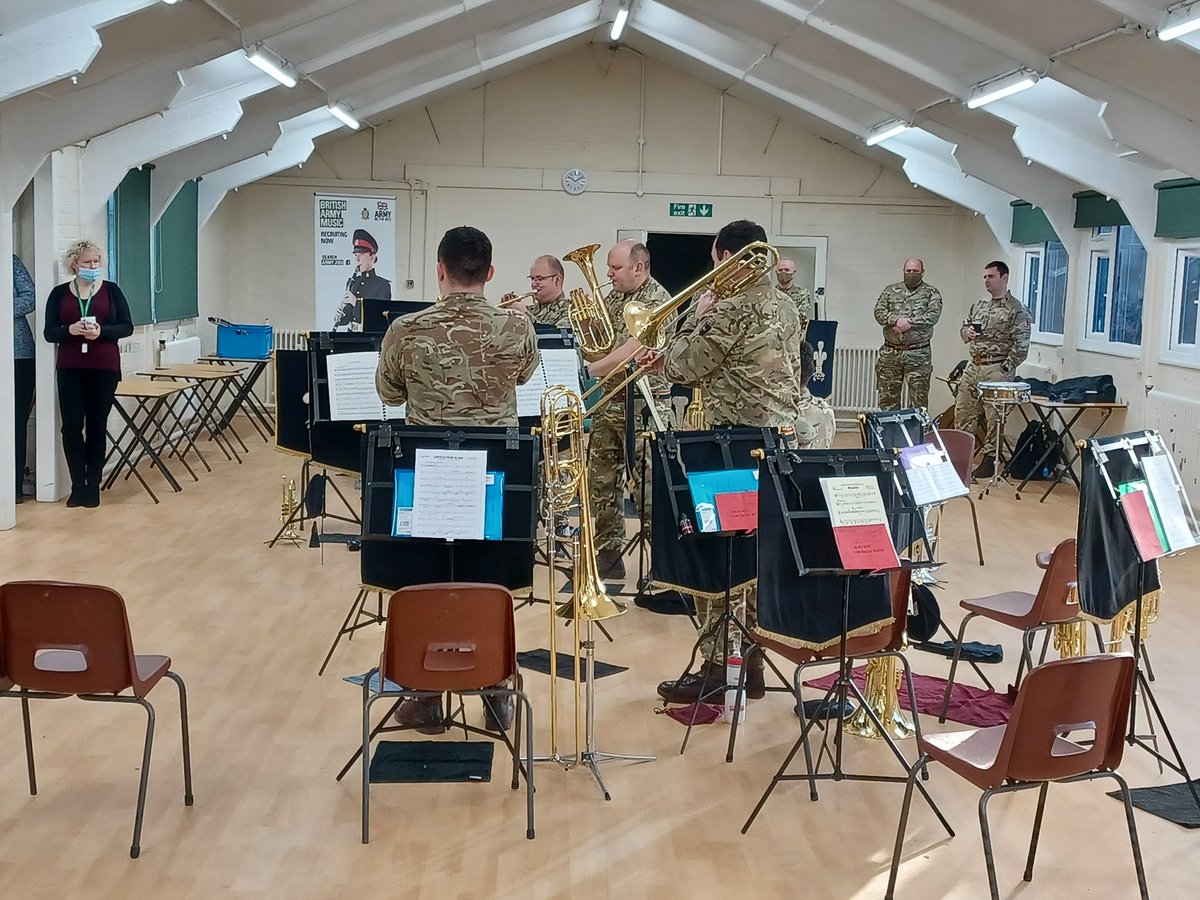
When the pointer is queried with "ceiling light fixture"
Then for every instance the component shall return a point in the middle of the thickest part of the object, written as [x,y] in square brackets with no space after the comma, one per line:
[342,113]
[618,25]
[1005,86]
[1176,24]
[886,130]
[273,65]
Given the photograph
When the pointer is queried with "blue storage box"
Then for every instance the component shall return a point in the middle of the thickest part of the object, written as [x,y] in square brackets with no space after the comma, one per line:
[244,341]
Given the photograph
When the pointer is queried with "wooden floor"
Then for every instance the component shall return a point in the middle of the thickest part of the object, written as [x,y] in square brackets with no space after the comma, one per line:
[247,628]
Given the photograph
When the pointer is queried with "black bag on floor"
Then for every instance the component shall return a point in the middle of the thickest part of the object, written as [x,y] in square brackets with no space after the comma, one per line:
[1038,453]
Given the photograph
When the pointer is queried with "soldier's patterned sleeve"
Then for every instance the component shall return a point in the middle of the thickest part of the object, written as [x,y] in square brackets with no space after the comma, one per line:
[931,310]
[883,312]
[1020,347]
[389,376]
[530,355]
[692,357]
[805,308]
[972,316]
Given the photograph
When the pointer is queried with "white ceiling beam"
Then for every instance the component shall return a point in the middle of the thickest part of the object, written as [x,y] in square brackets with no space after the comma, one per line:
[990,202]
[1149,16]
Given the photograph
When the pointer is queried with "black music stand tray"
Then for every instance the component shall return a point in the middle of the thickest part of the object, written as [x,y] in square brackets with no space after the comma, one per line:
[681,557]
[388,563]
[791,501]
[1119,459]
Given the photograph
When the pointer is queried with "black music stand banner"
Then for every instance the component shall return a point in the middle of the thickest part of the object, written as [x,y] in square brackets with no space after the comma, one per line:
[335,444]
[394,562]
[822,335]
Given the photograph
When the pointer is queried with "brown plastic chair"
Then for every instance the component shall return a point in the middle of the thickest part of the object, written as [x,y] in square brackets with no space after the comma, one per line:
[960,447]
[1089,694]
[59,640]
[1052,605]
[457,638]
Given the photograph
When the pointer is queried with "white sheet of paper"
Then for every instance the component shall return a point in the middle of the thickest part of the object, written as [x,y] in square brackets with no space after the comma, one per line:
[449,490]
[557,367]
[1163,490]
[935,483]
[352,393]
[854,500]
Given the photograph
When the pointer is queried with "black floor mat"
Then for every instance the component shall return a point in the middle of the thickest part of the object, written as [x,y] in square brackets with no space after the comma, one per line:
[421,761]
[539,661]
[1173,802]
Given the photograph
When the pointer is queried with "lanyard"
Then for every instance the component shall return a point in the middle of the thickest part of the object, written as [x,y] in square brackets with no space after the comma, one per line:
[85,305]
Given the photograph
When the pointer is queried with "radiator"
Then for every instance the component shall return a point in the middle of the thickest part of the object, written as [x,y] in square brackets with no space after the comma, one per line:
[854,380]
[1177,419]
[291,339]
[179,351]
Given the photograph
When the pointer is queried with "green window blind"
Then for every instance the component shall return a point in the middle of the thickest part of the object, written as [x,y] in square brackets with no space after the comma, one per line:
[1030,225]
[131,246]
[1178,208]
[1093,210]
[175,257]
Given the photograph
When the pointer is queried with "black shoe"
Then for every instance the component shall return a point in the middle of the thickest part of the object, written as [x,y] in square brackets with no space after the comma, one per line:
[423,713]
[708,682]
[91,497]
[77,497]
[610,563]
[986,469]
[498,710]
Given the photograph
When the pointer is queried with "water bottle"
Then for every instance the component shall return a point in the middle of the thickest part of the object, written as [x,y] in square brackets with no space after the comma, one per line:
[735,706]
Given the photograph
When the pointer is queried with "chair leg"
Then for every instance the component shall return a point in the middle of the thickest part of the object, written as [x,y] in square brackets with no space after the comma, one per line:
[187,745]
[962,629]
[1045,644]
[920,764]
[912,702]
[516,744]
[988,856]
[366,769]
[798,687]
[1026,656]
[1037,830]
[29,746]
[135,848]
[522,699]
[975,522]
[1133,837]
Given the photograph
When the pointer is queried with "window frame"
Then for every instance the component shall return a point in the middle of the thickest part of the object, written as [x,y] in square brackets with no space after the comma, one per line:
[1104,245]
[1037,335]
[1172,353]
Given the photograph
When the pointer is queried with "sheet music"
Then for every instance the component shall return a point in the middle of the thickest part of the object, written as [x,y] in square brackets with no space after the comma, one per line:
[352,393]
[932,478]
[854,500]
[556,367]
[1165,493]
[449,494]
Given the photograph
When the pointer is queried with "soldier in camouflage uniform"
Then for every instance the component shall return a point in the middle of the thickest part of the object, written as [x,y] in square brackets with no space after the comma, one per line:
[458,363]
[997,335]
[629,271]
[785,275]
[737,351]
[907,310]
[548,305]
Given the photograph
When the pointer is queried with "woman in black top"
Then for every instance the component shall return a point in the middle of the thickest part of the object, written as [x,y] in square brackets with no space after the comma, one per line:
[85,317]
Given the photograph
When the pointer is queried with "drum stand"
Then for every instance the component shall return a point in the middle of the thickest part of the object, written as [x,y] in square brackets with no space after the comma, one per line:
[1001,406]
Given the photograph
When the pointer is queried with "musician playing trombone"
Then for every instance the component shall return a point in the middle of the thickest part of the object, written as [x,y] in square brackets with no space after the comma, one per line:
[744,352]
[545,303]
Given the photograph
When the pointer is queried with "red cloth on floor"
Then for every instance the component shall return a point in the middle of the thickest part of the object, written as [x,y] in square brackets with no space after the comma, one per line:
[968,705]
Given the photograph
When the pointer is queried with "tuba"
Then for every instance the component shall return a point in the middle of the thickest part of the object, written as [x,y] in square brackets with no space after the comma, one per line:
[588,313]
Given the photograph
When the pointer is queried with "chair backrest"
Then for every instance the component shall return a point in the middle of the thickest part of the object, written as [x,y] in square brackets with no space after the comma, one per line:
[960,447]
[1057,581]
[454,636]
[1087,696]
[65,638]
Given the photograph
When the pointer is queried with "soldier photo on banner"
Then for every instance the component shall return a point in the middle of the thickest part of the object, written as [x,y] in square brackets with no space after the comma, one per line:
[355,257]
[822,336]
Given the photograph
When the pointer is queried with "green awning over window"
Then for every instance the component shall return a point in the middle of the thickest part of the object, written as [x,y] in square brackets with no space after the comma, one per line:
[1094,210]
[1178,208]
[1030,225]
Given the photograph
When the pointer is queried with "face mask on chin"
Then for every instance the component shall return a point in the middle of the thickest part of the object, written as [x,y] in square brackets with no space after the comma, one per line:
[911,281]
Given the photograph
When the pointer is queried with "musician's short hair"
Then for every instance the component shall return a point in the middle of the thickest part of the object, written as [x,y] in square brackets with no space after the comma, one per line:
[999,265]
[737,235]
[808,363]
[639,253]
[466,253]
[554,263]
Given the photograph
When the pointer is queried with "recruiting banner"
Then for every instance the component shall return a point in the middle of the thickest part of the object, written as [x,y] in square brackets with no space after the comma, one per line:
[355,257]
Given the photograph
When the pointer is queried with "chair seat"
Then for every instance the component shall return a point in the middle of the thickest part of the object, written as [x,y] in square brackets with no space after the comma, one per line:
[150,670]
[972,753]
[1011,608]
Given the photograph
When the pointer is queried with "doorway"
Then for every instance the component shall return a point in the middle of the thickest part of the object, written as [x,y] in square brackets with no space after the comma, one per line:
[677,260]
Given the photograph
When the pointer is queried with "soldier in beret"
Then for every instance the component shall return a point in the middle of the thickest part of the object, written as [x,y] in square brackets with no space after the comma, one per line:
[363,284]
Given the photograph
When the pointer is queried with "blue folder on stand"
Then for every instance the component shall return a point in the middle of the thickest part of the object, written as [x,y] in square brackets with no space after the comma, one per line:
[493,512]
[705,486]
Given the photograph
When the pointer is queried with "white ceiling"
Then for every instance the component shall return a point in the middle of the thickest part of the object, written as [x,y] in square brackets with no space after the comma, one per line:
[145,81]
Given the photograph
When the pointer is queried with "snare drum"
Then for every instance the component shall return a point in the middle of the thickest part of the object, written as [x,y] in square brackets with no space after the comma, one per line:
[1004,392]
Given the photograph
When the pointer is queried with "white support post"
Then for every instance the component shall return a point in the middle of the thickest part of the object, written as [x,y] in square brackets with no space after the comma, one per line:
[8,459]
[44,270]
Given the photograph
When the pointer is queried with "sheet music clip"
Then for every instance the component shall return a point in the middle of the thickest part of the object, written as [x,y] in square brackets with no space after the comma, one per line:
[454,439]
[568,337]
[384,435]
[512,437]
[324,341]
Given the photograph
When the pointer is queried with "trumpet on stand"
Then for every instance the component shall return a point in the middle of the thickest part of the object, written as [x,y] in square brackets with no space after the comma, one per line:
[287,512]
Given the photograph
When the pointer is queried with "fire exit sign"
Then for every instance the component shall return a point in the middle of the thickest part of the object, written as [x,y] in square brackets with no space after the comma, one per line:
[692,210]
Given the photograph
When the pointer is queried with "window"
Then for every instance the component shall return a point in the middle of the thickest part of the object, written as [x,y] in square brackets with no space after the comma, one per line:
[1116,288]
[1185,301]
[1033,277]
[1053,301]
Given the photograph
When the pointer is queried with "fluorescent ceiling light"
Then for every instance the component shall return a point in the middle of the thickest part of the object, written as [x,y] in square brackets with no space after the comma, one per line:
[341,112]
[1174,26]
[886,130]
[619,23]
[991,91]
[273,65]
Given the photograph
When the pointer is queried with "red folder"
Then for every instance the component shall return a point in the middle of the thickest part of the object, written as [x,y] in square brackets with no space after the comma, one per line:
[737,511]
[866,547]
[1141,524]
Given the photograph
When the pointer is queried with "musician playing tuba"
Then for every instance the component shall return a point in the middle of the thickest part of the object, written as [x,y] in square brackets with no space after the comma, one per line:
[745,355]
[545,303]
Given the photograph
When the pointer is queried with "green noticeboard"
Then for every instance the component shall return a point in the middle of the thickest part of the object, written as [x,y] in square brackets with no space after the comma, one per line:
[692,210]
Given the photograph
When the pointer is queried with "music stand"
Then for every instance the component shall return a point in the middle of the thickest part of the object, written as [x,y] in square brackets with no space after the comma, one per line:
[836,601]
[1111,465]
[378,315]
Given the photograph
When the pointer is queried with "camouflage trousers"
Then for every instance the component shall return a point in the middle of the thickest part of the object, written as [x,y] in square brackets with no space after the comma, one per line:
[897,367]
[969,410]
[607,479]
[710,609]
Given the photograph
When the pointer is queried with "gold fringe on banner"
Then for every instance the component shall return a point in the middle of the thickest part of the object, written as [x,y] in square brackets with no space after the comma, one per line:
[789,641]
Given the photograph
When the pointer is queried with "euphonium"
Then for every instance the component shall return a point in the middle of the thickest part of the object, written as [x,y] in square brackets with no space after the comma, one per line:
[587,311]
[882,695]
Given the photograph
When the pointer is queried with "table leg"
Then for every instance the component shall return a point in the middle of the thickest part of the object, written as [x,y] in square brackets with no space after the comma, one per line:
[1074,452]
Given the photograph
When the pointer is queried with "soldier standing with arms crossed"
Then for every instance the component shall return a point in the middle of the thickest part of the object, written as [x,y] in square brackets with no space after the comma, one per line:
[907,310]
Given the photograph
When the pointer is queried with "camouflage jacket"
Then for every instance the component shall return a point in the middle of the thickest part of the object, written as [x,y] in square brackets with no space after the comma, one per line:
[458,362]
[794,328]
[804,305]
[737,353]
[553,312]
[1006,324]
[923,305]
[816,423]
[651,294]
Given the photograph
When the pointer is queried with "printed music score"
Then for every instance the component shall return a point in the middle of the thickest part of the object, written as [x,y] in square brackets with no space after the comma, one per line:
[558,366]
[860,524]
[931,476]
[352,392]
[450,494]
[1168,504]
